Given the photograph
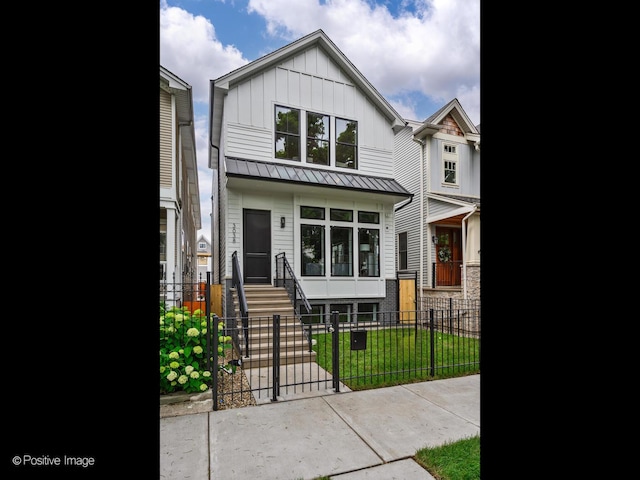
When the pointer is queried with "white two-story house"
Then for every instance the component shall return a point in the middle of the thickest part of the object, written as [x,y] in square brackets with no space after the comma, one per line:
[439,232]
[303,151]
[179,189]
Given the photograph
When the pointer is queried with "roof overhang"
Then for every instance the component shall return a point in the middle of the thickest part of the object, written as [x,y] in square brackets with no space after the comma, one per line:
[464,205]
[277,177]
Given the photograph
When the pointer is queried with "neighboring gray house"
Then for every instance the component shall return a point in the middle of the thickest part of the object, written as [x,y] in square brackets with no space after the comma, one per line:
[439,232]
[179,190]
[303,150]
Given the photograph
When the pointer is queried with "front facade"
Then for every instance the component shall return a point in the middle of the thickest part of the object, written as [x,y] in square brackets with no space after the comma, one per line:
[179,190]
[439,233]
[303,153]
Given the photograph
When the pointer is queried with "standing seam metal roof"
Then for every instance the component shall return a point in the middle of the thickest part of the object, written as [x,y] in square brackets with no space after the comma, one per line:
[237,167]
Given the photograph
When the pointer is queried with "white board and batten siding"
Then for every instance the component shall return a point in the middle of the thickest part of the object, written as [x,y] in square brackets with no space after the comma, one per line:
[311,81]
[279,205]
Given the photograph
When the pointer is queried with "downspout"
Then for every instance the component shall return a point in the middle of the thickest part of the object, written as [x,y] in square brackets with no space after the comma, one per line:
[211,93]
[464,248]
[421,281]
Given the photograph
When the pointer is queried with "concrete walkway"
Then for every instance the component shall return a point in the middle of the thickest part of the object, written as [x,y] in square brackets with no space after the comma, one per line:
[353,435]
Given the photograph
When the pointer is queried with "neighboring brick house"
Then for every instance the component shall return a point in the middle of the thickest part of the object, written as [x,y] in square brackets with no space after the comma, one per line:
[179,190]
[303,148]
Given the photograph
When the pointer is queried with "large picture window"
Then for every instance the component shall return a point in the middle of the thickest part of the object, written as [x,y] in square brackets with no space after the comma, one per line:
[346,143]
[341,251]
[369,252]
[339,255]
[287,133]
[317,138]
[312,247]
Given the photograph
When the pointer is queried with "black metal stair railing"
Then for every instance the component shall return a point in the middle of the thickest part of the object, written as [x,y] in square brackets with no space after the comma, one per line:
[286,278]
[238,283]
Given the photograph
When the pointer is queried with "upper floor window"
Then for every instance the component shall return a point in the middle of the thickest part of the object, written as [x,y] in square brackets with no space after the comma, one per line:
[314,146]
[287,133]
[317,138]
[202,245]
[346,143]
[450,172]
[402,251]
[450,164]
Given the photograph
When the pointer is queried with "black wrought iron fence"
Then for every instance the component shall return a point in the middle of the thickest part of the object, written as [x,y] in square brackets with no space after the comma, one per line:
[299,354]
[309,353]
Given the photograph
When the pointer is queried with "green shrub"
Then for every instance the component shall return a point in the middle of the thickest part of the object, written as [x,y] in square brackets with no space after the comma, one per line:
[183,350]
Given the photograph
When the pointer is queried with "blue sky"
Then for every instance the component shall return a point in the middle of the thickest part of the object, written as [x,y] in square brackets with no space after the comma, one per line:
[419,54]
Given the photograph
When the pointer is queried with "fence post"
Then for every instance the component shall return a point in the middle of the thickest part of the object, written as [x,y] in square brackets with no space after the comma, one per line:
[432,354]
[213,335]
[335,351]
[276,358]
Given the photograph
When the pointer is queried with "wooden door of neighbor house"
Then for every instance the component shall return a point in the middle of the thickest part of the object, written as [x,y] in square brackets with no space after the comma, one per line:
[448,257]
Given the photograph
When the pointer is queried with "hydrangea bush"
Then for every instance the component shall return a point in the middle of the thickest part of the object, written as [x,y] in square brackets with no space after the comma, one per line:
[183,350]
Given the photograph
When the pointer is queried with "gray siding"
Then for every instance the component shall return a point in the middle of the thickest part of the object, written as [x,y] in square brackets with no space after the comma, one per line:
[468,169]
[165,139]
[407,172]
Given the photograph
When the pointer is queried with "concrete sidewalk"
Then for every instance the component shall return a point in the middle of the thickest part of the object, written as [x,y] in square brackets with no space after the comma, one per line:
[368,434]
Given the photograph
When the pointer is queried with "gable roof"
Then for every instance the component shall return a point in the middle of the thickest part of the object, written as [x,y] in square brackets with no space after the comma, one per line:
[432,124]
[221,85]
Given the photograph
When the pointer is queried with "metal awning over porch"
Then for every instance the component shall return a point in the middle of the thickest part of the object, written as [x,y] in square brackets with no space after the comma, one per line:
[305,176]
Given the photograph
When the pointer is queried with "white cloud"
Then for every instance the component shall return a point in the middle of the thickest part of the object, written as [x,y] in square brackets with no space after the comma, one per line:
[434,49]
[189,49]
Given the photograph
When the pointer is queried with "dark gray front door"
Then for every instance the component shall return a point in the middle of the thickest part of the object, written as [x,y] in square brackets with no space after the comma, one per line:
[257,246]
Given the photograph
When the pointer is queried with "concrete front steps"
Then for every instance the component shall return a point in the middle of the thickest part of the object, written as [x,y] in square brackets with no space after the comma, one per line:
[263,302]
